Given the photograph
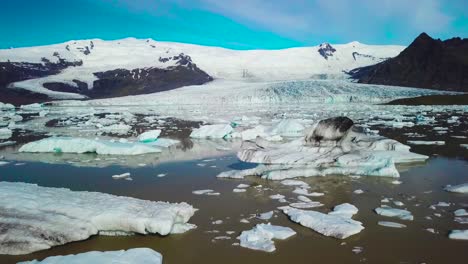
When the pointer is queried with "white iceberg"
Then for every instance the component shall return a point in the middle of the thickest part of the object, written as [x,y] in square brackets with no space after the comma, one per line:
[262,235]
[462,188]
[131,256]
[149,136]
[83,145]
[326,150]
[391,224]
[459,234]
[394,212]
[337,223]
[212,131]
[36,218]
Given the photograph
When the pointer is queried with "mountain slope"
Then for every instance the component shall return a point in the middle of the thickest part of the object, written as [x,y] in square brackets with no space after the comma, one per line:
[100,69]
[426,63]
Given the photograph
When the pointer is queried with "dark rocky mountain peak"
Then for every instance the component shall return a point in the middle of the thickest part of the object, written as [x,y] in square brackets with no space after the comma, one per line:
[326,50]
[425,63]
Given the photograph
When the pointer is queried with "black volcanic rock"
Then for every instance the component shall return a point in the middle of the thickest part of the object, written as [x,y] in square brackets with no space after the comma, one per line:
[326,50]
[426,63]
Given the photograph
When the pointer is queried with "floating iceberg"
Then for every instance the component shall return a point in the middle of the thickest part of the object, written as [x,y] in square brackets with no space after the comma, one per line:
[459,234]
[332,147]
[337,223]
[131,256]
[212,131]
[149,136]
[391,224]
[421,142]
[83,145]
[393,212]
[462,188]
[5,133]
[36,218]
[262,235]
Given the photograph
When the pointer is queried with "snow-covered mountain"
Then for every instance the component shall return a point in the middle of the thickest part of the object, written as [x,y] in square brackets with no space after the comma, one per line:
[99,69]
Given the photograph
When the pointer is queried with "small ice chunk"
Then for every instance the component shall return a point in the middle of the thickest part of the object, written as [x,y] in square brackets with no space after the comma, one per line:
[396,182]
[391,224]
[149,136]
[462,188]
[398,203]
[5,133]
[461,220]
[277,197]
[265,216]
[304,205]
[393,212]
[237,190]
[294,183]
[334,225]
[160,175]
[461,212]
[242,185]
[217,222]
[345,210]
[244,221]
[358,191]
[212,131]
[205,192]
[459,234]
[125,175]
[262,235]
[421,142]
[134,255]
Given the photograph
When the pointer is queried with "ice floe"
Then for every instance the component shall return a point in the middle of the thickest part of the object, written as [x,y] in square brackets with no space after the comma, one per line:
[149,136]
[394,212]
[459,234]
[337,223]
[391,224]
[131,256]
[461,212]
[262,235]
[333,147]
[38,218]
[421,142]
[212,131]
[206,192]
[462,188]
[5,133]
[83,145]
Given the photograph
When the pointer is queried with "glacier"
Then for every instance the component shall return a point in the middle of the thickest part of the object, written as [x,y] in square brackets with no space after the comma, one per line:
[35,218]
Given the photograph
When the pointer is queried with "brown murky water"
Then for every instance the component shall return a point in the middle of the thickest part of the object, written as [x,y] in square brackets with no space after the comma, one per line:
[422,186]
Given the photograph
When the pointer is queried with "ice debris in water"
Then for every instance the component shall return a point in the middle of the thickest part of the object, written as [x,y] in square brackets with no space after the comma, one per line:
[420,142]
[212,131]
[40,217]
[265,216]
[459,234]
[461,212]
[391,224]
[125,176]
[393,212]
[5,133]
[83,145]
[462,188]
[239,190]
[262,235]
[149,136]
[205,192]
[331,147]
[337,223]
[131,256]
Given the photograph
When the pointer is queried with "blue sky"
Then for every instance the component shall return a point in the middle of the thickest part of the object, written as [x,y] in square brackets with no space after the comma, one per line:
[238,24]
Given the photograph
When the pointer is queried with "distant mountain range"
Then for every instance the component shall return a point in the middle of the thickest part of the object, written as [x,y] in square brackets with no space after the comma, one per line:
[426,63]
[88,69]
[101,69]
